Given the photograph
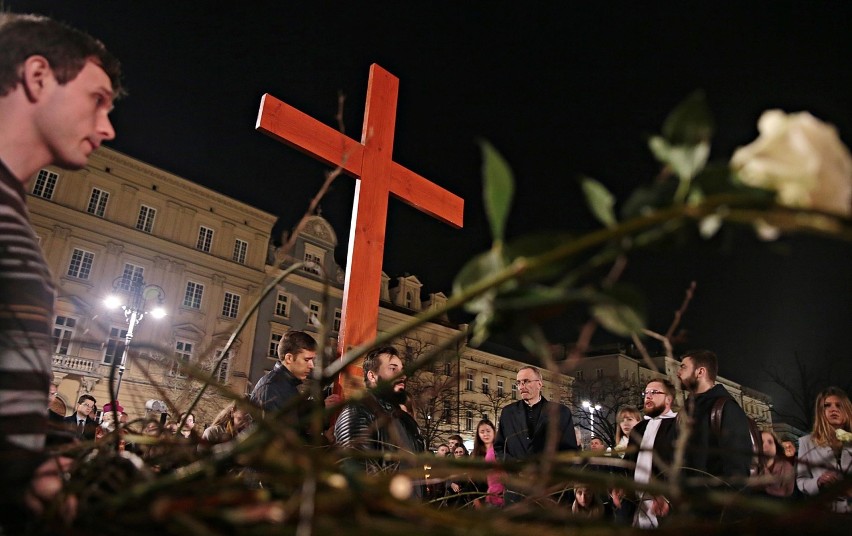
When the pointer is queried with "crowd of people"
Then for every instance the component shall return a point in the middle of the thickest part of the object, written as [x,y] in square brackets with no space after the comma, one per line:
[57,87]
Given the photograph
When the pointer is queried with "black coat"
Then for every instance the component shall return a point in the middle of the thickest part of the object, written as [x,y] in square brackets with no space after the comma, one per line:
[88,432]
[664,444]
[515,442]
[275,389]
[727,455]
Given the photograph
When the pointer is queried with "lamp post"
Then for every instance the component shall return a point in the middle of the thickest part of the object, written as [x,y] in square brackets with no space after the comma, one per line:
[138,294]
[591,408]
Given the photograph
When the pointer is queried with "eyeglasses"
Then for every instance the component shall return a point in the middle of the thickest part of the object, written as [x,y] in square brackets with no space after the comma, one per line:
[653,392]
[522,383]
[88,405]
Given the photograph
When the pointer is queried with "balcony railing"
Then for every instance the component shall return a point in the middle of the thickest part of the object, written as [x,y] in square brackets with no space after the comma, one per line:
[68,363]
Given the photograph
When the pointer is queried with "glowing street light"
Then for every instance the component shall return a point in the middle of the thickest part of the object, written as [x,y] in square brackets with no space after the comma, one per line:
[133,295]
[591,408]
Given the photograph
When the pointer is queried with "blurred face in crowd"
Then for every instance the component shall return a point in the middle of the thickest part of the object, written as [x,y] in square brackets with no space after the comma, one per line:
[687,374]
[789,448]
[583,496]
[85,407]
[486,434]
[529,385]
[834,411]
[241,418]
[656,401]
[769,448]
[459,452]
[442,451]
[301,363]
[596,444]
[628,421]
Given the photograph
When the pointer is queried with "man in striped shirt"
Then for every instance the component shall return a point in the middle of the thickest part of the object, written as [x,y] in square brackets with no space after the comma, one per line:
[57,86]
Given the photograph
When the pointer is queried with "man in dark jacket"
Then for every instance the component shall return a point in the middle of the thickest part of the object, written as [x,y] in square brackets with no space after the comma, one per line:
[523,428]
[81,423]
[377,423]
[277,388]
[728,454]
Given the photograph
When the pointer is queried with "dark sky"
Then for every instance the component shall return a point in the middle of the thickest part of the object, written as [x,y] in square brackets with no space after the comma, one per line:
[560,88]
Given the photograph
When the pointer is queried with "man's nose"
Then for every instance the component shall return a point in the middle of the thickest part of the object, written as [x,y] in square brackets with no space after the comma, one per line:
[105,128]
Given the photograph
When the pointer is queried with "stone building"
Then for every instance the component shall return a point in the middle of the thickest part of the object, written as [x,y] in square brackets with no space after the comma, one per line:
[200,253]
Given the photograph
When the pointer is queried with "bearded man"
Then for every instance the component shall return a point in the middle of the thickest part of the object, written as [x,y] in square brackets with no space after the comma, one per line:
[378,423]
[651,448]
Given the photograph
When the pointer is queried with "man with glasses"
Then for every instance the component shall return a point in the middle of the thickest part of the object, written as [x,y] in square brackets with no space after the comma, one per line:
[523,428]
[80,422]
[651,448]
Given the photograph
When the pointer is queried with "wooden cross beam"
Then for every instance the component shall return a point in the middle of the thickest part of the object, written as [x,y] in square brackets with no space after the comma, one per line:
[371,163]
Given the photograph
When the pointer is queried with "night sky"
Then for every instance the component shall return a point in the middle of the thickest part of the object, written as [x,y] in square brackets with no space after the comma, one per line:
[561,91]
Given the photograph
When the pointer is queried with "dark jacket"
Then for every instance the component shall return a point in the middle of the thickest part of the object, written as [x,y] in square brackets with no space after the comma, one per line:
[275,389]
[88,432]
[515,442]
[664,445]
[727,455]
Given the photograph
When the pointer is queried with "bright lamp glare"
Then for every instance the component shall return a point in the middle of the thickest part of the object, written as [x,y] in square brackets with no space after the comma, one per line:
[158,312]
[112,302]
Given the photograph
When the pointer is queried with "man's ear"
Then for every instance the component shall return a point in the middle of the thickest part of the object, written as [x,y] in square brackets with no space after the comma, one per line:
[288,358]
[35,73]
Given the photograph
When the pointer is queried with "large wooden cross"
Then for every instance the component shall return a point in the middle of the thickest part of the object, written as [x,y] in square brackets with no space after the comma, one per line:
[371,163]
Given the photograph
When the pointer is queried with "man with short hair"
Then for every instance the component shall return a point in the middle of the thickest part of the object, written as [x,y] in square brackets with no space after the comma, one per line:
[57,87]
[376,422]
[651,447]
[276,390]
[728,453]
[523,428]
[81,422]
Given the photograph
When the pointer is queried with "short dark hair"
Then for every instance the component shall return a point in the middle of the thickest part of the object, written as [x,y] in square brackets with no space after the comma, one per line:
[668,387]
[372,361]
[66,49]
[706,359]
[294,342]
[86,397]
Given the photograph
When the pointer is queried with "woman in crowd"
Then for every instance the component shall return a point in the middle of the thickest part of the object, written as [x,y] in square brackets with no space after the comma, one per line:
[227,425]
[460,488]
[586,503]
[627,418]
[483,447]
[824,459]
[775,464]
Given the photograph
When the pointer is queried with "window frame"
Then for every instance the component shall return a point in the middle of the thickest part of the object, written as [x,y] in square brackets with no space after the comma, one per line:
[84,265]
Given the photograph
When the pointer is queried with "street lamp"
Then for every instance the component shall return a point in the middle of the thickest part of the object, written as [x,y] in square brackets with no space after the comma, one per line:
[138,294]
[591,408]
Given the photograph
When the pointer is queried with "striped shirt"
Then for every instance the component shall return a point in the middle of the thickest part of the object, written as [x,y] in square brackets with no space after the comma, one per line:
[26,317]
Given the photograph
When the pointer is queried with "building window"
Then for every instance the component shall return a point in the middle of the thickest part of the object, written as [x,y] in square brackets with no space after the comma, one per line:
[81,264]
[448,369]
[468,420]
[447,413]
[274,340]
[338,316]
[500,390]
[578,375]
[45,184]
[183,355]
[205,239]
[231,305]
[315,313]
[63,334]
[485,385]
[514,391]
[599,373]
[470,381]
[115,345]
[224,367]
[313,255]
[193,294]
[98,202]
[240,249]
[409,302]
[282,305]
[130,274]
[145,221]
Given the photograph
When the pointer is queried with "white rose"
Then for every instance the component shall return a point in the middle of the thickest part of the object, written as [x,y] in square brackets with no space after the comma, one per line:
[843,435]
[802,159]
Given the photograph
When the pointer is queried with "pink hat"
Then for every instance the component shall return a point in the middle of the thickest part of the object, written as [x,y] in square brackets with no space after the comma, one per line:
[108,407]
